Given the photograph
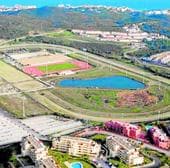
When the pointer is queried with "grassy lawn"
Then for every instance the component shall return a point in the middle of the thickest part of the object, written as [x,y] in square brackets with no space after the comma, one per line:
[14,104]
[29,85]
[74,55]
[88,98]
[60,158]
[100,138]
[21,80]
[57,67]
[118,163]
[94,99]
[11,74]
[61,34]
[165,160]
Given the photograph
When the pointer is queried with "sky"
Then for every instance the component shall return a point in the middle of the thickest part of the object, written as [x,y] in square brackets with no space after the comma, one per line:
[135,4]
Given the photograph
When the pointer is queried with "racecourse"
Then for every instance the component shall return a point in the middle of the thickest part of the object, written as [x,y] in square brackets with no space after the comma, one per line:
[114,64]
[57,105]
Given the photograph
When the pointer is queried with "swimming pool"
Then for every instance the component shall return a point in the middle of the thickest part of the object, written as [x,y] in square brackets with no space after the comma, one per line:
[111,82]
[76,165]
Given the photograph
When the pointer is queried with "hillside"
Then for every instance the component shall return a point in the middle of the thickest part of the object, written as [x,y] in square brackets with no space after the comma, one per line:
[107,19]
[12,26]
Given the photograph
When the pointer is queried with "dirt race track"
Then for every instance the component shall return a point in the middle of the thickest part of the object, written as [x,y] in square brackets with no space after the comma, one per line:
[43,60]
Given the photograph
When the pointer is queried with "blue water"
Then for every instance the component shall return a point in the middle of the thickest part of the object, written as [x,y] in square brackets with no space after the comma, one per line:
[135,4]
[76,165]
[112,82]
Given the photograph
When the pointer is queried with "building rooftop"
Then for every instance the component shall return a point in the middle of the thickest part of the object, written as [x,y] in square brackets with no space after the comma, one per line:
[124,144]
[35,142]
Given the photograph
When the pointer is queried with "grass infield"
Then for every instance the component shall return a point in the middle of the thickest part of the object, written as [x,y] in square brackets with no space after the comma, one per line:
[56,67]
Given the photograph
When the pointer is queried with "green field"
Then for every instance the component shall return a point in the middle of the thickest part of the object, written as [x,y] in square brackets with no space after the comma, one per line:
[11,74]
[61,34]
[61,158]
[14,105]
[57,67]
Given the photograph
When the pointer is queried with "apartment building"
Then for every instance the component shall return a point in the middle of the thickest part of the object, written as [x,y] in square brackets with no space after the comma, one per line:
[77,146]
[159,138]
[123,149]
[35,149]
[131,34]
[123,128]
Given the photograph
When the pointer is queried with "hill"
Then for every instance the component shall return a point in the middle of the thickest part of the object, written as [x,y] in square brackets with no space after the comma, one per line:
[93,18]
[12,26]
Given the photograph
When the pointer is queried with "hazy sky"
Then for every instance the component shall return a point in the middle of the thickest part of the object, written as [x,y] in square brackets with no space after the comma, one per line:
[136,4]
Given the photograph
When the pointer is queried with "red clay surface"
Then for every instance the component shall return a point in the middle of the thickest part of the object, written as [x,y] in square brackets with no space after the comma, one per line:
[34,71]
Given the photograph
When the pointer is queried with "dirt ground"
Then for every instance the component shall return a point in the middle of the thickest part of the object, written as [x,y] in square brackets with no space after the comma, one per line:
[43,60]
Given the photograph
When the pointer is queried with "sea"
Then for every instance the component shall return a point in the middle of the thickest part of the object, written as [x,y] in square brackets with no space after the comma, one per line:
[134,4]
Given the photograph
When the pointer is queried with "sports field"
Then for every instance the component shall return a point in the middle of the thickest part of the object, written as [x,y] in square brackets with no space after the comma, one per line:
[57,67]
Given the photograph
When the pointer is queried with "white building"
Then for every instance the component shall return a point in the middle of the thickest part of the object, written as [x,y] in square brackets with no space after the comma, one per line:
[124,150]
[77,146]
[35,149]
[131,34]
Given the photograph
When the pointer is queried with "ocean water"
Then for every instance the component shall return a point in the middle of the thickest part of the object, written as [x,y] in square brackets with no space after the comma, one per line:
[111,82]
[135,4]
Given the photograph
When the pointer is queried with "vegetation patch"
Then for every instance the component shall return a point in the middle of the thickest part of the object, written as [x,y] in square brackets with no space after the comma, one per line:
[61,158]
[100,138]
[135,98]
[14,105]
[57,67]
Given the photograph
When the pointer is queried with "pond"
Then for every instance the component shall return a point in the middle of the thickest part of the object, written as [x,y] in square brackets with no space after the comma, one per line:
[111,82]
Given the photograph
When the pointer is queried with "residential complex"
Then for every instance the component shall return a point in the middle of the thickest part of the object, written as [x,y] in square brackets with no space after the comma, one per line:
[161,58]
[159,138]
[123,149]
[34,148]
[132,34]
[126,129]
[77,146]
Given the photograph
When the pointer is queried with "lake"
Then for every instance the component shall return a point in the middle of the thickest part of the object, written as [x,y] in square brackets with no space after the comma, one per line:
[135,4]
[111,82]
